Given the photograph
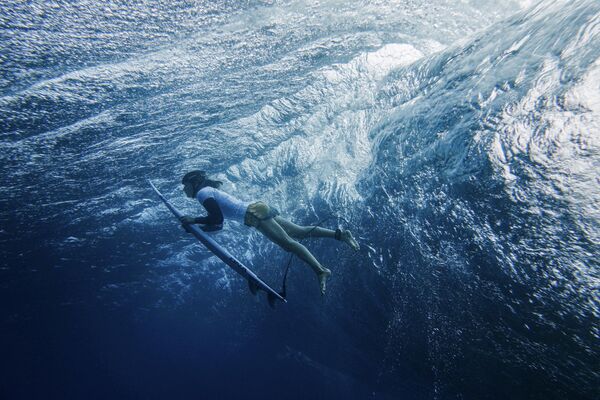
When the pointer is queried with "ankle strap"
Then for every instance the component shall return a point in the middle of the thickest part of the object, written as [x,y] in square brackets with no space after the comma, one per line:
[338,234]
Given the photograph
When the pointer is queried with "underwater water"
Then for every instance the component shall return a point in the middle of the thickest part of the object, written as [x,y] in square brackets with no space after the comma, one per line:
[459,141]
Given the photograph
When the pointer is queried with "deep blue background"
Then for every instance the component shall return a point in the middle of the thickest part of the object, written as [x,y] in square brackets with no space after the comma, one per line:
[459,142]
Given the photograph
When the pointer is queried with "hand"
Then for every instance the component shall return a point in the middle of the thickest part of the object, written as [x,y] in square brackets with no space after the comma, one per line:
[186,227]
[186,220]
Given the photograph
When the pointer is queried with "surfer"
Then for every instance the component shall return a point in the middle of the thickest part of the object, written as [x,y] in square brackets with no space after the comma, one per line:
[220,206]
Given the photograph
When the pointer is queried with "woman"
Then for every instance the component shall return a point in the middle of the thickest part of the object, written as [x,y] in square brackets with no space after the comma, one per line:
[265,219]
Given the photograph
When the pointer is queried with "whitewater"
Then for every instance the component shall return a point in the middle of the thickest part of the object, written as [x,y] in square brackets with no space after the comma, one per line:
[459,141]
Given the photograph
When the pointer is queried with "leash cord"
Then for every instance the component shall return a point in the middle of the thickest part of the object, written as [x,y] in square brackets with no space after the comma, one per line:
[283,292]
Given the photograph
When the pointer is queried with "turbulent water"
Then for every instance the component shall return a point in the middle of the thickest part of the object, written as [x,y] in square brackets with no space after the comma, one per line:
[460,141]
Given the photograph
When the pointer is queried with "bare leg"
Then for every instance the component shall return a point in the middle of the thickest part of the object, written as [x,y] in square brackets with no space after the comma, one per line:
[274,232]
[300,232]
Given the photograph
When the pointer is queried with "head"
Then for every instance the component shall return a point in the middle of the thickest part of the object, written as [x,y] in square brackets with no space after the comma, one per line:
[196,180]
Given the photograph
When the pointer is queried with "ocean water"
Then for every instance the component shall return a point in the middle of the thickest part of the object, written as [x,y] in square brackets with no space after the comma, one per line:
[459,141]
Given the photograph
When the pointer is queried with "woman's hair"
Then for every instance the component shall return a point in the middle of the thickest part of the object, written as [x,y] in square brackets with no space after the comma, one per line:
[199,179]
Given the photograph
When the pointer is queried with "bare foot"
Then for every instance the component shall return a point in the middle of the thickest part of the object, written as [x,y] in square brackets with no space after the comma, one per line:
[348,238]
[323,275]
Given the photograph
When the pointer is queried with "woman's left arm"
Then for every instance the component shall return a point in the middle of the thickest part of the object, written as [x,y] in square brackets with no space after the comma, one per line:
[213,221]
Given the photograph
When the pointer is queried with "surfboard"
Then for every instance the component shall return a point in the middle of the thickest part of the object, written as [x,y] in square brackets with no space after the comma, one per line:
[254,282]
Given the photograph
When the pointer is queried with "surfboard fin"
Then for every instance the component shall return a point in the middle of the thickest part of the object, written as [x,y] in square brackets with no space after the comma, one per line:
[253,287]
[271,298]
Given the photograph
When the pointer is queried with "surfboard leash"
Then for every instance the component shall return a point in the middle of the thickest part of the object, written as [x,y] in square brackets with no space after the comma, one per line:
[283,292]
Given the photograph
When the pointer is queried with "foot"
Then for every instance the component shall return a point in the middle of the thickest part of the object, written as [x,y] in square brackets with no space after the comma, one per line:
[323,275]
[349,239]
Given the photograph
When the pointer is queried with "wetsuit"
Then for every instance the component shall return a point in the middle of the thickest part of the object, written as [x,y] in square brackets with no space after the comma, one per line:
[220,206]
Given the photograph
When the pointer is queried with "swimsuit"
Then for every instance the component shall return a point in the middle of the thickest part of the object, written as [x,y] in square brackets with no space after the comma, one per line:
[221,205]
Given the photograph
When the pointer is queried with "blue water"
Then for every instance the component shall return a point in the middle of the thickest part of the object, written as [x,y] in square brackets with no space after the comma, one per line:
[460,141]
